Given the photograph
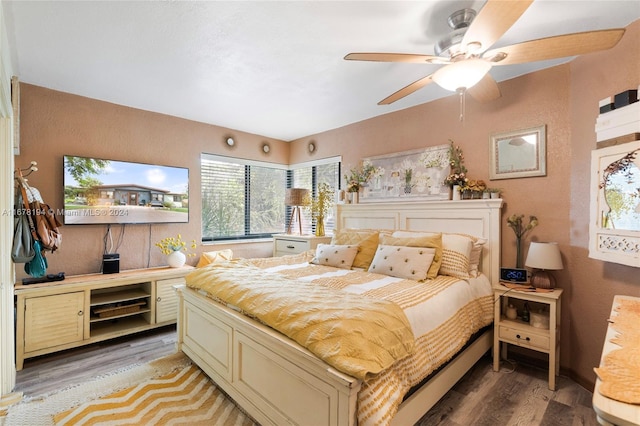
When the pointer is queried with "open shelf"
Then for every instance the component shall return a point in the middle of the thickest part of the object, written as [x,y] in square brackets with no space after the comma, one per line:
[117,296]
[521,325]
[118,327]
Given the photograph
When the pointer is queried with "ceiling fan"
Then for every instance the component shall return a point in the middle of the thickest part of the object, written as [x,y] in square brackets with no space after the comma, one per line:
[467,60]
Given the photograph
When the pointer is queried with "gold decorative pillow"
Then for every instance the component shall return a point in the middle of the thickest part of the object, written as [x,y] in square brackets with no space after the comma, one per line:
[214,256]
[335,255]
[431,240]
[403,262]
[367,242]
[456,252]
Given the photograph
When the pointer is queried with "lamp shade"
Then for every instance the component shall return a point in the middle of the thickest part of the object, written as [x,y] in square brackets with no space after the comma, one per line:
[461,74]
[295,196]
[544,256]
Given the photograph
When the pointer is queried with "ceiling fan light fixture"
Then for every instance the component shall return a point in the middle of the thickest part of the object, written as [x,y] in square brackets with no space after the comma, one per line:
[463,74]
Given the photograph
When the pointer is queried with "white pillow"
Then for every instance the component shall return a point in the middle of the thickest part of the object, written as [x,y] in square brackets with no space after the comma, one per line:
[338,256]
[456,252]
[403,262]
[476,254]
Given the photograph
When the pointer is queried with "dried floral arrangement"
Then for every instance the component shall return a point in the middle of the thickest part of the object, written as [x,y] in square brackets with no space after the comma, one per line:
[458,174]
[516,223]
[320,205]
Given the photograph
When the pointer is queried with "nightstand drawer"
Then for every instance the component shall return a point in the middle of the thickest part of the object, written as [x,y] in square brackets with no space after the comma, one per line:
[291,246]
[524,338]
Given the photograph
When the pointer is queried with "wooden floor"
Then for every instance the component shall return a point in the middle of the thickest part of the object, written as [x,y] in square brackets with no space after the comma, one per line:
[55,371]
[517,395]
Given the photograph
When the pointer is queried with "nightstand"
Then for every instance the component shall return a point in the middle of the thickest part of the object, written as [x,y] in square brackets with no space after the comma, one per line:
[523,334]
[284,244]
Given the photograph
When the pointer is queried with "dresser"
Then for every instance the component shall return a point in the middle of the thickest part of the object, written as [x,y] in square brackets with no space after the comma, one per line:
[284,244]
[85,309]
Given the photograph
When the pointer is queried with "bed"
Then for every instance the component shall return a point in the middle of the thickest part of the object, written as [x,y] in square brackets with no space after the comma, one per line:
[278,381]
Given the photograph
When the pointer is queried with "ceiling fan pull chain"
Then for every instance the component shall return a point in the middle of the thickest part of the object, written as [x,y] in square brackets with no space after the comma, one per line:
[461,92]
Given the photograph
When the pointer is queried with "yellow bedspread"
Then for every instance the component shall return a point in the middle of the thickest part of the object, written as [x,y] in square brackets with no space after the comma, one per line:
[358,335]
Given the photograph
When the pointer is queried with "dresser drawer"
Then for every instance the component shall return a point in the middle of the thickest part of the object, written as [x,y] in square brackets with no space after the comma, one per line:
[284,247]
[524,338]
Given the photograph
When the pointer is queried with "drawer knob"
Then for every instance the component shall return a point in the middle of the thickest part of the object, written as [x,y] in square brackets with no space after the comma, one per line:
[517,336]
[80,313]
[159,299]
[291,247]
[527,339]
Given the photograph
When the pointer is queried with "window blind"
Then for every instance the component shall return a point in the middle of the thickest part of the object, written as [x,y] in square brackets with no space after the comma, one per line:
[244,199]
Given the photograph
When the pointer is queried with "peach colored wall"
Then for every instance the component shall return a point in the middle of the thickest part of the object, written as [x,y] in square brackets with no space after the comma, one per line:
[594,77]
[564,98]
[54,124]
[528,101]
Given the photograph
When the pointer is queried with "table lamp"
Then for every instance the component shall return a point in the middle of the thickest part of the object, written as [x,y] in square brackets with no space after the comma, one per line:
[295,197]
[543,257]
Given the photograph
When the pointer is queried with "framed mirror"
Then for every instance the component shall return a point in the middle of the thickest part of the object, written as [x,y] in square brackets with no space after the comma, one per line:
[614,233]
[518,154]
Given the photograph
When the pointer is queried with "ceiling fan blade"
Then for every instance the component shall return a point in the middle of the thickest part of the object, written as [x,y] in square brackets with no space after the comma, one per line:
[555,47]
[405,91]
[485,90]
[393,57]
[493,20]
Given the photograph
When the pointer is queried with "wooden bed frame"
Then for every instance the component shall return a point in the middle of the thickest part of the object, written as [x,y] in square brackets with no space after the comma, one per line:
[278,382]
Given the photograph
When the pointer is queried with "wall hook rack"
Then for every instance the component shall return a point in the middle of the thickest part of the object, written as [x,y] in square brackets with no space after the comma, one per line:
[32,168]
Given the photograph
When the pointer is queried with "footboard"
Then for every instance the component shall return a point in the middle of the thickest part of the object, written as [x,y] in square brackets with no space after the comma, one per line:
[272,378]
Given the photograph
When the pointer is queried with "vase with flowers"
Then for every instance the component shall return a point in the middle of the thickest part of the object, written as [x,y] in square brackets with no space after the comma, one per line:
[176,250]
[320,206]
[457,177]
[516,223]
[360,176]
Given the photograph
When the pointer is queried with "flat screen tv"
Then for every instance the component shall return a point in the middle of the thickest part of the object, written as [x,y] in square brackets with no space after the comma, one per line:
[100,191]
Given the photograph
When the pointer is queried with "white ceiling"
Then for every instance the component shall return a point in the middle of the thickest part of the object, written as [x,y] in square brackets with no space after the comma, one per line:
[272,68]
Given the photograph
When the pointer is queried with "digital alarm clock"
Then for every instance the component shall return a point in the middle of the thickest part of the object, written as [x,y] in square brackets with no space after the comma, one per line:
[514,275]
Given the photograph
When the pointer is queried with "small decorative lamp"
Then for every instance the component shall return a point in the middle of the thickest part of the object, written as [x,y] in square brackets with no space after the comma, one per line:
[543,257]
[295,197]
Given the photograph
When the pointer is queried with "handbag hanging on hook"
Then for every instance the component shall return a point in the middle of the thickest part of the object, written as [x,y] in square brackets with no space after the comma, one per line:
[37,266]
[22,250]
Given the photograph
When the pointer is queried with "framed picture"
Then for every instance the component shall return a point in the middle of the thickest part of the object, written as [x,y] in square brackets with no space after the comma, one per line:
[416,175]
[518,154]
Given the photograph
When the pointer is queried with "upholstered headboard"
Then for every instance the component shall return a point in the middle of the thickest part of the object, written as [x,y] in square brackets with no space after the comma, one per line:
[480,218]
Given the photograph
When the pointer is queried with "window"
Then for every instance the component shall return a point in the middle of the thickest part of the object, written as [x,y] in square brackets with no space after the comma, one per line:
[244,199]
[309,176]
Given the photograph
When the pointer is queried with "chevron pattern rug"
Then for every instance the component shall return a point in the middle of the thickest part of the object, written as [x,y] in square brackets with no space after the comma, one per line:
[179,395]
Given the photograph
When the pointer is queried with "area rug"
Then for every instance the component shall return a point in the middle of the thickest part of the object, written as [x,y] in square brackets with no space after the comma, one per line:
[168,391]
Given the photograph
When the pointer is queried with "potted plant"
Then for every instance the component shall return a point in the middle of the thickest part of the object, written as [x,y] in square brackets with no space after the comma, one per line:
[493,192]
